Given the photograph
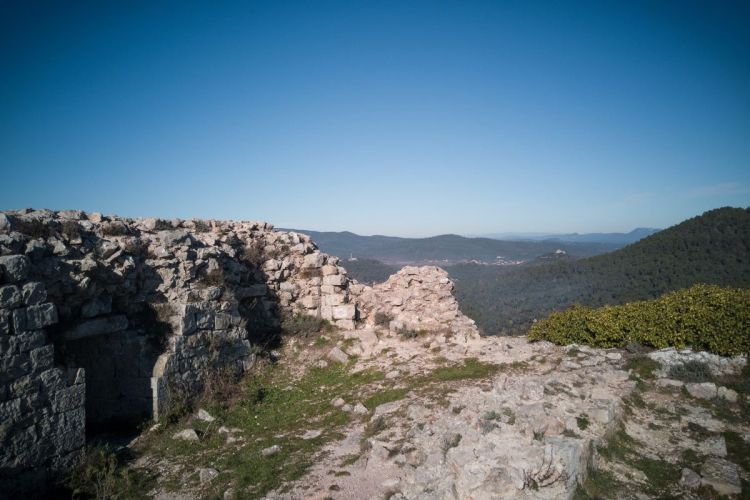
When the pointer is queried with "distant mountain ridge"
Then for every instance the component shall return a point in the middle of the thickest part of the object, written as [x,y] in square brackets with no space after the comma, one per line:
[444,249]
[611,238]
[713,248]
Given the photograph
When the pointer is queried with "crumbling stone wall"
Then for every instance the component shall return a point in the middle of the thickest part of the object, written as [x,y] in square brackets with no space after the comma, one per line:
[101,318]
[145,306]
[416,298]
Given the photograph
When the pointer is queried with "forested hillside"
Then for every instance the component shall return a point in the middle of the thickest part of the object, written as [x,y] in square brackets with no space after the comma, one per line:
[712,248]
[368,270]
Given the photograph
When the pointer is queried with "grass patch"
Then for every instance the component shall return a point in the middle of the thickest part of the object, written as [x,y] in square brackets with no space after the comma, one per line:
[385,396]
[691,371]
[598,484]
[321,342]
[642,366]
[101,474]
[691,459]
[662,475]
[738,450]
[273,408]
[618,446]
[470,369]
[303,325]
[583,422]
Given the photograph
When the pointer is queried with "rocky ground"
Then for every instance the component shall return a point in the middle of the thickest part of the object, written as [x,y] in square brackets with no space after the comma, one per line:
[523,428]
[373,414]
[685,432]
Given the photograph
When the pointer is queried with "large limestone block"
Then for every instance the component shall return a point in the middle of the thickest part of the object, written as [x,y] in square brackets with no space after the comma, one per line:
[310,302]
[10,296]
[722,476]
[15,267]
[34,293]
[338,355]
[346,324]
[329,270]
[344,311]
[705,390]
[335,280]
[313,260]
[334,300]
[40,316]
[4,322]
[326,312]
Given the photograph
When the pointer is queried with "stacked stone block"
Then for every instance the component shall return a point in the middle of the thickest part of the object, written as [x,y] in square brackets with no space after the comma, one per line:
[42,415]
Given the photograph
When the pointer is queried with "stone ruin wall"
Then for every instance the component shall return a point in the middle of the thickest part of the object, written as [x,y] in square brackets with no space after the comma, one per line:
[101,317]
[416,298]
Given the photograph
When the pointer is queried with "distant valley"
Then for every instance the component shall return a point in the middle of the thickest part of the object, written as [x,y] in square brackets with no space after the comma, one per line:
[611,238]
[450,249]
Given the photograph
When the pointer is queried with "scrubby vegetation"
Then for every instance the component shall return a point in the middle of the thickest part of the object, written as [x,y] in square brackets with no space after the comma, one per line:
[713,248]
[101,475]
[470,369]
[272,405]
[703,317]
[304,325]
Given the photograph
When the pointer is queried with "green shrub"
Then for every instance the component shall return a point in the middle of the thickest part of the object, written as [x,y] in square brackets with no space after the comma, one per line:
[70,229]
[304,325]
[583,422]
[642,366]
[310,272]
[253,254]
[691,371]
[382,319]
[100,475]
[201,226]
[705,317]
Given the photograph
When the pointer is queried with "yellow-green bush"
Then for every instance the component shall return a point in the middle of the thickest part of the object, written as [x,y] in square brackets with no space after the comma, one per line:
[704,317]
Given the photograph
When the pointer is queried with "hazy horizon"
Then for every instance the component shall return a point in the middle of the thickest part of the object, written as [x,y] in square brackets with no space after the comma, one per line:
[406,119]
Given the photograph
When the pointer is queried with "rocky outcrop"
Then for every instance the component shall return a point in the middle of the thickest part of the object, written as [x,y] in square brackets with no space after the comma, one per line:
[107,319]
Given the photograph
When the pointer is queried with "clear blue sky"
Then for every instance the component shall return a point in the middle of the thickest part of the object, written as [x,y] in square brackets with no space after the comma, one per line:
[403,117]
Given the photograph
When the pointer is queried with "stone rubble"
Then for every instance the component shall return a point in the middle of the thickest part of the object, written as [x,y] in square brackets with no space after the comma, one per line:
[186,435]
[204,415]
[415,298]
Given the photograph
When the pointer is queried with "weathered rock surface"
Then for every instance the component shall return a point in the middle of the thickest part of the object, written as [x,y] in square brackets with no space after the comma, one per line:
[718,365]
[703,390]
[722,476]
[526,432]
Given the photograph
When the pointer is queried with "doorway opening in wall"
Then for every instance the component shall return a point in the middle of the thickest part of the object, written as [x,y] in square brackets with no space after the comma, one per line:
[118,369]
